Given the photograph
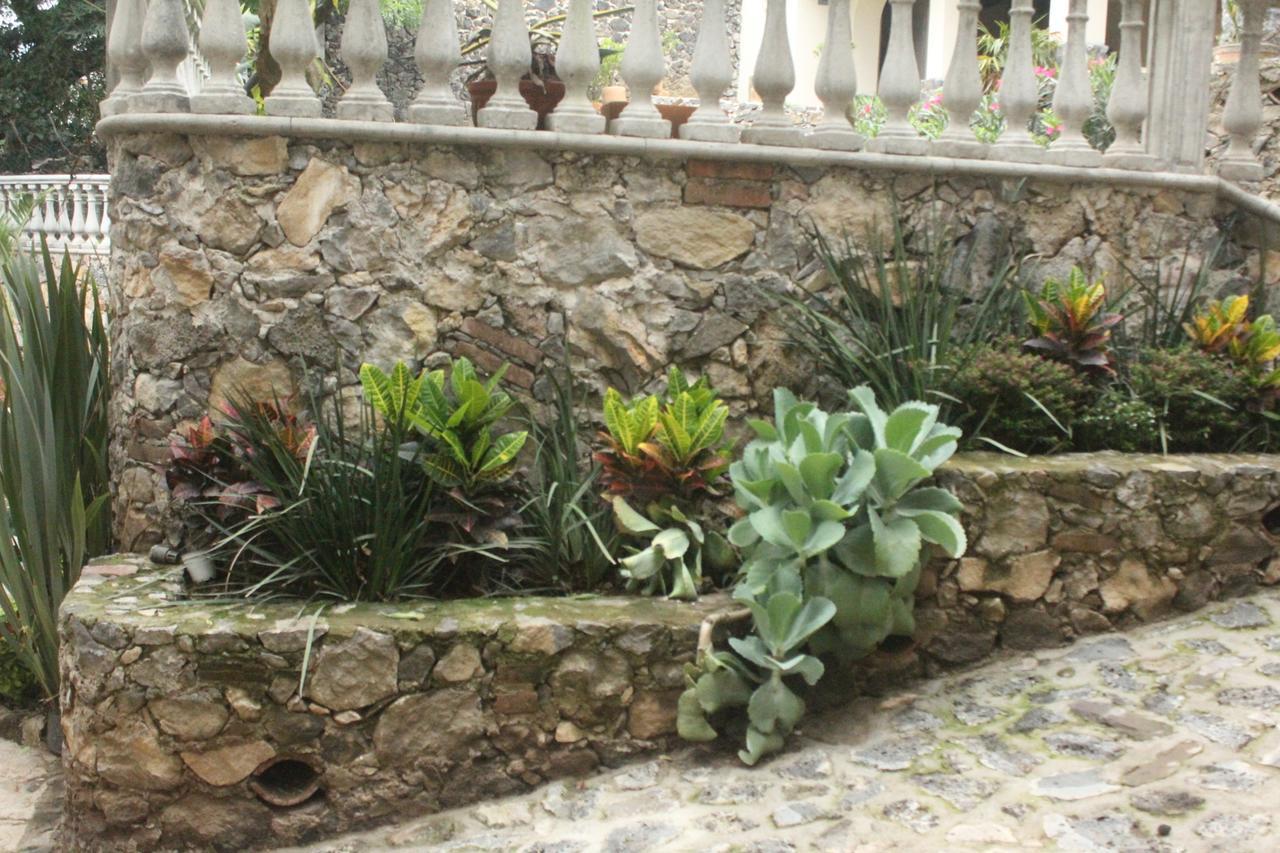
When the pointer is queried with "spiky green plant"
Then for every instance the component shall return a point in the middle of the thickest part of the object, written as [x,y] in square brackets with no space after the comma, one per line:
[54,481]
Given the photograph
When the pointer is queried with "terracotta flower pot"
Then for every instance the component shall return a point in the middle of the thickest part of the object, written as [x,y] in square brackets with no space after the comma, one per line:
[677,114]
[541,100]
[611,94]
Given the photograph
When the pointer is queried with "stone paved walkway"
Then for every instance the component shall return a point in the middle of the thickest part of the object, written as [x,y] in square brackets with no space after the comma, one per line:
[1164,739]
[30,798]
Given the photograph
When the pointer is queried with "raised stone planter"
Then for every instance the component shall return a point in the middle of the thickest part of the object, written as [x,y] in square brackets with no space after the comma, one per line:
[191,725]
[187,726]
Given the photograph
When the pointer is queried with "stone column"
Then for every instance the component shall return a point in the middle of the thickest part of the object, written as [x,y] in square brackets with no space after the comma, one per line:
[774,78]
[1179,64]
[1127,109]
[293,44]
[577,64]
[1242,115]
[437,54]
[837,83]
[642,68]
[899,87]
[222,41]
[364,50]
[962,90]
[510,57]
[1073,99]
[165,44]
[711,74]
[124,46]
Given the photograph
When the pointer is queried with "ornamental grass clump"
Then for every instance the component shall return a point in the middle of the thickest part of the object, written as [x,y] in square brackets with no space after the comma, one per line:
[54,479]
[836,526]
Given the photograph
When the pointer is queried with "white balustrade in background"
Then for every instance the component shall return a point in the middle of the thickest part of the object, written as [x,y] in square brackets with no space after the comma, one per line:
[70,211]
[148,42]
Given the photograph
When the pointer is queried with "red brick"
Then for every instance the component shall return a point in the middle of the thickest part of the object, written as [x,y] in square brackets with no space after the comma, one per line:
[516,702]
[512,346]
[728,193]
[488,363]
[724,169]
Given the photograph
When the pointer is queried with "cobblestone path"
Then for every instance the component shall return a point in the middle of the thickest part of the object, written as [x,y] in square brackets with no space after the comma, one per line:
[1163,739]
[30,798]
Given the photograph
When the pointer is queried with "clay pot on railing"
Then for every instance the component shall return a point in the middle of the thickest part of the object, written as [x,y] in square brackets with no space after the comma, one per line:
[541,96]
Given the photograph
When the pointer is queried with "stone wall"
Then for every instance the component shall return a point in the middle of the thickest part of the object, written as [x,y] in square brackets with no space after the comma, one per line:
[174,715]
[188,726]
[265,263]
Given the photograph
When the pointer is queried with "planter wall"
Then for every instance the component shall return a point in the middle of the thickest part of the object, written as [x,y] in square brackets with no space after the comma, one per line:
[185,725]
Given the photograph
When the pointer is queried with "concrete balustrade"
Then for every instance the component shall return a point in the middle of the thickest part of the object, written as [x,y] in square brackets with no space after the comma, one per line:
[70,211]
[1149,109]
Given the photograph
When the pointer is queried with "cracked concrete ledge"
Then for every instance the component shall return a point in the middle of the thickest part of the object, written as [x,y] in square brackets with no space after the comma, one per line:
[624,146]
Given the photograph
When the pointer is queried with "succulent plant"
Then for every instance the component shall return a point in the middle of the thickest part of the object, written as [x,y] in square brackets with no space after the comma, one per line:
[754,675]
[673,560]
[837,519]
[1071,324]
[670,450]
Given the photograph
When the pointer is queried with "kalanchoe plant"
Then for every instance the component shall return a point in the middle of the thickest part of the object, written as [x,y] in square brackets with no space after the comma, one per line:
[457,417]
[1071,324]
[835,513]
[667,451]
[673,560]
[754,677]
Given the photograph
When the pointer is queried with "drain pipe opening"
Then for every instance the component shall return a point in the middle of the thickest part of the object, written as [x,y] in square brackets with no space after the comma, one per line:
[286,780]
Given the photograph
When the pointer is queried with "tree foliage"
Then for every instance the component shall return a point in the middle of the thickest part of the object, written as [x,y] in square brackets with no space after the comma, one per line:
[52,76]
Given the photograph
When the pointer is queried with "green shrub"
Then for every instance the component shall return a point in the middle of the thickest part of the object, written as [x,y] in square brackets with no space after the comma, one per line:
[54,482]
[1017,400]
[18,686]
[1201,403]
[1118,421]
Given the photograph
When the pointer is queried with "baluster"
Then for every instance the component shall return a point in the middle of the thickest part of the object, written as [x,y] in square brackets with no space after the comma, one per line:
[1127,109]
[77,217]
[711,73]
[222,42]
[364,50]
[899,87]
[1242,115]
[166,42]
[1073,99]
[66,234]
[962,90]
[510,57]
[105,229]
[774,77]
[577,64]
[1019,90]
[836,83]
[49,223]
[92,223]
[642,68]
[437,54]
[35,222]
[294,46]
[124,48]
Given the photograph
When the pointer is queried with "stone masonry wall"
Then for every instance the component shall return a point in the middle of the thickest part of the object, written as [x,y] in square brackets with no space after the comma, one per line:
[174,715]
[261,264]
[177,715]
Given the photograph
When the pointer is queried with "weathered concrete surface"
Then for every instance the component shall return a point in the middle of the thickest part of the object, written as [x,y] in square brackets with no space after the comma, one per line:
[1162,739]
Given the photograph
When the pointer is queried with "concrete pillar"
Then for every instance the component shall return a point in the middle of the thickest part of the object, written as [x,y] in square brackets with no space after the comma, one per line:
[1181,54]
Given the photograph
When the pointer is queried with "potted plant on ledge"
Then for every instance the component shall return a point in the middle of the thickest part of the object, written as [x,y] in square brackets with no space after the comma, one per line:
[540,88]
